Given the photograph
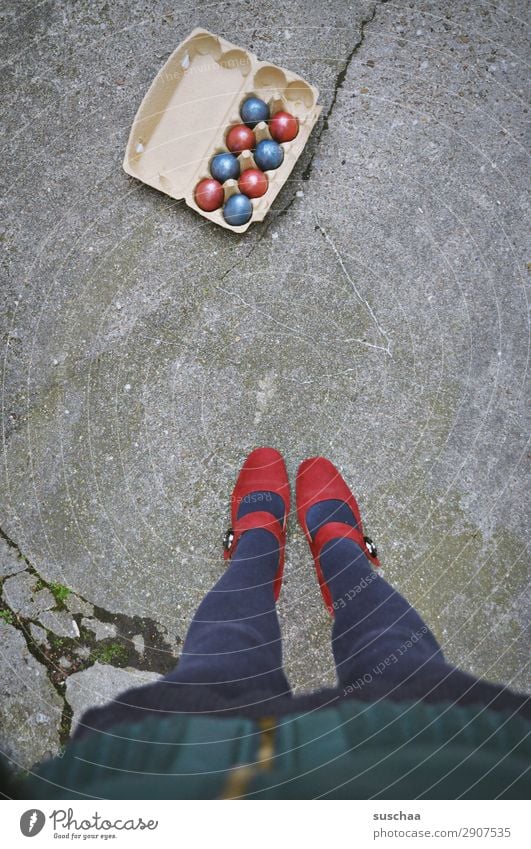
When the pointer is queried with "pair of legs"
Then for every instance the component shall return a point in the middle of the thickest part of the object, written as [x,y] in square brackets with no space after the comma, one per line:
[231,662]
[234,641]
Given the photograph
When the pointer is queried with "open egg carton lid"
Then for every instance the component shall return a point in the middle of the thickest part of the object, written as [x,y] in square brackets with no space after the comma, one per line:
[193,101]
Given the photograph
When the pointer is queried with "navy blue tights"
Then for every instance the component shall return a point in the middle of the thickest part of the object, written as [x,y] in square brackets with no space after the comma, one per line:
[376,631]
[234,640]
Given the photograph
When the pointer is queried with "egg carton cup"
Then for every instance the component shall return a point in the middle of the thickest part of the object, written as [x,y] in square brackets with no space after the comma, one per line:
[191,105]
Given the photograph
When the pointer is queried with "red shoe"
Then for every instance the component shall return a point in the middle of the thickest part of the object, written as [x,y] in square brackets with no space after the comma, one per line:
[319,480]
[264,470]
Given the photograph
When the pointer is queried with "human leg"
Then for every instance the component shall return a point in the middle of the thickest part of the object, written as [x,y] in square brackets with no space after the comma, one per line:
[234,639]
[376,631]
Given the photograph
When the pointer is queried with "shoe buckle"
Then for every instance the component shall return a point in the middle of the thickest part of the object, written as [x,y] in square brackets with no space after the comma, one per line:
[228,539]
[370,546]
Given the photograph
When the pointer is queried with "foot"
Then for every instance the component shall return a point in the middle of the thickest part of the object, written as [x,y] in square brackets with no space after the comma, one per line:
[331,510]
[260,499]
[266,500]
[327,509]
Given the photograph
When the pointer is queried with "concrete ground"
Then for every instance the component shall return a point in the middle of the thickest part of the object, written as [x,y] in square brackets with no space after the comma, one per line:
[377,315]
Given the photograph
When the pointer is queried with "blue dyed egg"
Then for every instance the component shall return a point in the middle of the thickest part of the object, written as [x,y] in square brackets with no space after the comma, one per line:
[225,166]
[253,111]
[237,210]
[268,155]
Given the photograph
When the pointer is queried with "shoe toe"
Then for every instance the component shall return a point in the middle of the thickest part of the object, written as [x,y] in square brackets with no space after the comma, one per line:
[263,458]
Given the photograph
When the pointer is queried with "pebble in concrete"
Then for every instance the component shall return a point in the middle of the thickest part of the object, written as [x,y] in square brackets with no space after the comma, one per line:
[30,709]
[82,651]
[77,605]
[139,644]
[20,595]
[60,622]
[10,561]
[101,630]
[100,684]
[39,635]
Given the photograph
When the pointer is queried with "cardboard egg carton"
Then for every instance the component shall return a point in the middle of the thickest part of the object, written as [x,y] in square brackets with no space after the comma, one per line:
[191,105]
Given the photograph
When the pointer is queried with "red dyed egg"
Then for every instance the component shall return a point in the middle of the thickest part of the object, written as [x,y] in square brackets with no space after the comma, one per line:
[283,127]
[240,138]
[253,183]
[209,194]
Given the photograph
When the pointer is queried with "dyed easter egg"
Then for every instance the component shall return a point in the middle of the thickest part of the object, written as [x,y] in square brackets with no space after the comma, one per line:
[283,127]
[268,155]
[253,183]
[225,166]
[209,194]
[254,110]
[237,210]
[240,138]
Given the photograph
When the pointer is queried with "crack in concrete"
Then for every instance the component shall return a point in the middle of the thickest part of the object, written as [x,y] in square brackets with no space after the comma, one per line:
[13,544]
[363,301]
[273,217]
[157,653]
[17,622]
[20,625]
[261,235]
[340,79]
[305,176]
